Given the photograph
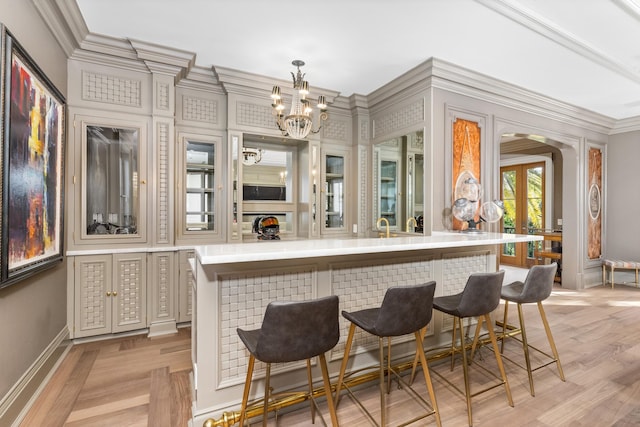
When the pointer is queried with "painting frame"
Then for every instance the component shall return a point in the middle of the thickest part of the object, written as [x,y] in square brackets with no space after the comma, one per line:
[32,159]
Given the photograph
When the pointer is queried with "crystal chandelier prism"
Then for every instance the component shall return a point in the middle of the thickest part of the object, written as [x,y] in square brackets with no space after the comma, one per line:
[299,122]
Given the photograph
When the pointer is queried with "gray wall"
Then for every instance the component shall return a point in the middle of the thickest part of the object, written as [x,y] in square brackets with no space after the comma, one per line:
[32,312]
[622,198]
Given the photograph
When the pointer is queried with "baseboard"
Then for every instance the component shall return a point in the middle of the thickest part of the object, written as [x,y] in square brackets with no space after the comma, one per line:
[162,328]
[16,403]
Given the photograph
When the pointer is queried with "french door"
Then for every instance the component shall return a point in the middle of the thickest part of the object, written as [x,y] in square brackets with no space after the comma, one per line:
[522,189]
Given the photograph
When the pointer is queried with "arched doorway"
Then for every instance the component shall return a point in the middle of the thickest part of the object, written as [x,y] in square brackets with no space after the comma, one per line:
[565,198]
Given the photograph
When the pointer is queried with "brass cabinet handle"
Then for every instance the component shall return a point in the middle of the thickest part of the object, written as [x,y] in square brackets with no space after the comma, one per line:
[115,293]
[108,293]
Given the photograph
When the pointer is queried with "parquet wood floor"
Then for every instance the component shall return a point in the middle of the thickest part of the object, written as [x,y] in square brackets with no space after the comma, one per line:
[138,381]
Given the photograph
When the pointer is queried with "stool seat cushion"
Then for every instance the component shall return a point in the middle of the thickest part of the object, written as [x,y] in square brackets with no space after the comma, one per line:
[512,291]
[617,263]
[481,295]
[294,330]
[402,311]
[448,304]
[536,287]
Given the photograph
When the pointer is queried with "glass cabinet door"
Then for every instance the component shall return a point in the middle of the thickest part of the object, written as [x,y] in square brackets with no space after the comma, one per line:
[200,193]
[112,192]
[197,193]
[334,192]
[389,190]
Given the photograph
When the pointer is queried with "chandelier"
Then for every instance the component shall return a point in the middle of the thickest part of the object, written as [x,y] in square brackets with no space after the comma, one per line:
[299,122]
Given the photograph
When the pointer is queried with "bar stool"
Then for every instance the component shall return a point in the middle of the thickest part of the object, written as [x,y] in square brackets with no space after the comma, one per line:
[536,288]
[293,331]
[404,310]
[481,295]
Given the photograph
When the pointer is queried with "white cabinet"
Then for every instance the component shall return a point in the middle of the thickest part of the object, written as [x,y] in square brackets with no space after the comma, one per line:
[109,293]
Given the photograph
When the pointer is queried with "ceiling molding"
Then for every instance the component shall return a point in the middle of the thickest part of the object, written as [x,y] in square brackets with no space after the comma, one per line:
[531,20]
[630,124]
[65,21]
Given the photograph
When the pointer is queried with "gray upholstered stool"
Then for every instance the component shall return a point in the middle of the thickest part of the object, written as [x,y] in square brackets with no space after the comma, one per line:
[404,310]
[293,331]
[481,295]
[535,289]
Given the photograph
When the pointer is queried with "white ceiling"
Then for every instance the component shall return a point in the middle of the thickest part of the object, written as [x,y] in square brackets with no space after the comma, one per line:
[583,52]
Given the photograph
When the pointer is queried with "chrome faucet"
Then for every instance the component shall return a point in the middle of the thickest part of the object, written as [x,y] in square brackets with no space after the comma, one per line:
[380,220]
[415,222]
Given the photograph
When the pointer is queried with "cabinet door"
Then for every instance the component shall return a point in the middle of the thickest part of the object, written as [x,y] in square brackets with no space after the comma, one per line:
[199,201]
[335,181]
[186,286]
[111,194]
[129,292]
[93,295]
[161,287]
[389,191]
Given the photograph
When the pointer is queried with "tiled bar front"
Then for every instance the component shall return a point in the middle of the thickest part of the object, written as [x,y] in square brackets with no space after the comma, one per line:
[229,295]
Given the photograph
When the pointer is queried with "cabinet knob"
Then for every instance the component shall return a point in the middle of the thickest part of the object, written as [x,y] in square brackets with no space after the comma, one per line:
[108,293]
[115,293]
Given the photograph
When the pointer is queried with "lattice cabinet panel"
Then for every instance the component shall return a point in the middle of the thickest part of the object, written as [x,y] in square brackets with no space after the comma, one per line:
[130,283]
[109,293]
[186,284]
[92,295]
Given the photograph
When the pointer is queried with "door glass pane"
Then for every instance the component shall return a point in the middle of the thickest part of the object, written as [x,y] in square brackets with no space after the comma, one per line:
[535,206]
[509,194]
[112,182]
[334,192]
[388,190]
[200,174]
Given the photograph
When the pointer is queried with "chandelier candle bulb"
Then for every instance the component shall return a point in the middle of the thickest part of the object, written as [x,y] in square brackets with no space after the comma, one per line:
[322,102]
[275,93]
[304,88]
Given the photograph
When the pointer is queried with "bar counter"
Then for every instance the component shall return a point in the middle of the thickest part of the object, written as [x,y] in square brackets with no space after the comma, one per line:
[233,283]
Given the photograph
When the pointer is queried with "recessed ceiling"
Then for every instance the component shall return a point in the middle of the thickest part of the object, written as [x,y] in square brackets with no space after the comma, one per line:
[585,53]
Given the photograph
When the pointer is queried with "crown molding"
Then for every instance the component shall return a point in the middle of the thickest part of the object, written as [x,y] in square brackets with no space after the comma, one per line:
[201,79]
[534,22]
[630,124]
[242,82]
[65,21]
[164,60]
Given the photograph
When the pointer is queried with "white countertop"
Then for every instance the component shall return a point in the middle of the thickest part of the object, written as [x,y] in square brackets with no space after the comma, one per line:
[294,249]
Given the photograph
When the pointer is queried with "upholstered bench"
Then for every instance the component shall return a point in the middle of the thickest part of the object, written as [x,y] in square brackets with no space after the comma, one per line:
[614,264]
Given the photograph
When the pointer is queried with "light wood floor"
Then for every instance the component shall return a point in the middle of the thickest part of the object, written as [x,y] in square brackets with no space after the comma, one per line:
[137,381]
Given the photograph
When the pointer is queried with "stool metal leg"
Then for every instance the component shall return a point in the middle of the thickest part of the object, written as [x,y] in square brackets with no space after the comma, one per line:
[453,340]
[552,343]
[327,390]
[496,351]
[427,375]
[345,359]
[247,386]
[465,371]
[310,381]
[388,365]
[383,406]
[525,347]
[265,410]
[504,326]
